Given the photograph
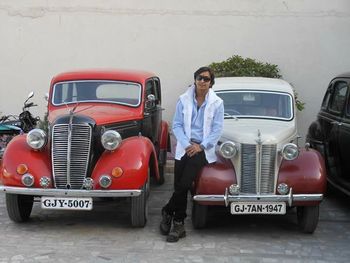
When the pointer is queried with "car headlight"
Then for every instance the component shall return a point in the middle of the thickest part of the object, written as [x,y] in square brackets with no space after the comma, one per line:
[228,149]
[111,140]
[36,139]
[290,151]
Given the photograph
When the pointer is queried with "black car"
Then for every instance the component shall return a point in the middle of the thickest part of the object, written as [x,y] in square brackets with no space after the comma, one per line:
[330,133]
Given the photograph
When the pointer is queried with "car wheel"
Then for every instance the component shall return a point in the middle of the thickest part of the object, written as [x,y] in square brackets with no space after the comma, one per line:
[139,208]
[199,215]
[308,218]
[19,207]
[161,169]
[148,183]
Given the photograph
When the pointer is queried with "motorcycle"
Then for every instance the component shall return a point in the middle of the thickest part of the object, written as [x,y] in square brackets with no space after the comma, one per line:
[12,125]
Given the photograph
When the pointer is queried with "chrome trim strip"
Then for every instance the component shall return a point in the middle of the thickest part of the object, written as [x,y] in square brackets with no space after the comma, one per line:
[290,198]
[259,150]
[98,101]
[69,193]
[69,148]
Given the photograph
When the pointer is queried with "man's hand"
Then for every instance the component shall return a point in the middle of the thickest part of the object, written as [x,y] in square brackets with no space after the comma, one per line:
[193,149]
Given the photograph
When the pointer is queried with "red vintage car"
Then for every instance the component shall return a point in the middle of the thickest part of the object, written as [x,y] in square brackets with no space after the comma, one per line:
[106,138]
[260,168]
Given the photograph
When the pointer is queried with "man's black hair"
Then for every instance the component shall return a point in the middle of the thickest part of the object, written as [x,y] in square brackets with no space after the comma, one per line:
[206,69]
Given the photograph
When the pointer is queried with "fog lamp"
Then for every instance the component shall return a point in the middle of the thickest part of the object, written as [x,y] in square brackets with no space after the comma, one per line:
[36,139]
[111,140]
[44,182]
[22,169]
[117,172]
[228,149]
[290,151]
[88,183]
[234,189]
[28,180]
[283,189]
[105,181]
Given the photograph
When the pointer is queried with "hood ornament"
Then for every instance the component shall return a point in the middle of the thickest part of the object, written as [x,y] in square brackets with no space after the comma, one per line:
[259,141]
[71,111]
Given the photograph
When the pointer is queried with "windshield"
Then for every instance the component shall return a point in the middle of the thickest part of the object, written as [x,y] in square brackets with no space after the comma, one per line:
[125,93]
[257,104]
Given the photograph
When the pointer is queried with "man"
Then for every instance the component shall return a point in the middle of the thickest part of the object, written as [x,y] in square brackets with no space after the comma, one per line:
[197,126]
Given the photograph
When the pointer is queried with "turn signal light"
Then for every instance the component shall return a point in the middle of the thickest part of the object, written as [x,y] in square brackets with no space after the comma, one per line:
[117,172]
[22,169]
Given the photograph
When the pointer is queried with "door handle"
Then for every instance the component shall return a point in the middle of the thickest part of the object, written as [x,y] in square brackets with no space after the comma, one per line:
[337,123]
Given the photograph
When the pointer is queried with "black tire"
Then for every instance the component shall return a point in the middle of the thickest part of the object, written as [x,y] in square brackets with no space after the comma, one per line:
[139,210]
[148,183]
[199,215]
[161,169]
[308,218]
[19,207]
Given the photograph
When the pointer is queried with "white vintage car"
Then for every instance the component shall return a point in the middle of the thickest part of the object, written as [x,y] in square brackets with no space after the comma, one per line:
[260,168]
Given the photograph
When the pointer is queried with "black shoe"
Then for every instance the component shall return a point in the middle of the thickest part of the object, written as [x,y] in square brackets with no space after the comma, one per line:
[177,232]
[165,224]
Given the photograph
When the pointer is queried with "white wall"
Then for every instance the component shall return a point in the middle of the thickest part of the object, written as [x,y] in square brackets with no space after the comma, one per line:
[309,40]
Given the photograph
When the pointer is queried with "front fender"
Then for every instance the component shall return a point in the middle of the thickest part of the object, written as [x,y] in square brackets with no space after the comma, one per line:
[306,174]
[214,178]
[315,137]
[18,152]
[133,156]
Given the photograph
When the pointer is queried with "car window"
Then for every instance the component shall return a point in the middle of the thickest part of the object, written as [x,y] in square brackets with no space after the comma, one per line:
[257,104]
[125,93]
[157,90]
[151,89]
[339,95]
[326,98]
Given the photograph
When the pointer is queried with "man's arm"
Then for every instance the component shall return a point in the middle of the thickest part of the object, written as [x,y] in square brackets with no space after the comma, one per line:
[178,126]
[218,122]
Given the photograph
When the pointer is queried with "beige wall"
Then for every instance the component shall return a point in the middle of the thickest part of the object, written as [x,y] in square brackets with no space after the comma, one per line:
[308,39]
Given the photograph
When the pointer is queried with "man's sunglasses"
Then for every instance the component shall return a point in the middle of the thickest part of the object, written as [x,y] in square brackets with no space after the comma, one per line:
[204,78]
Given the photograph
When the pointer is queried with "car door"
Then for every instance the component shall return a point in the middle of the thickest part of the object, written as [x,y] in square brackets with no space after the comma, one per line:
[331,119]
[153,110]
[343,143]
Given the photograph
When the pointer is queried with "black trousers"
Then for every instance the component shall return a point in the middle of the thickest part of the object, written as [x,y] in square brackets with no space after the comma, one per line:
[185,172]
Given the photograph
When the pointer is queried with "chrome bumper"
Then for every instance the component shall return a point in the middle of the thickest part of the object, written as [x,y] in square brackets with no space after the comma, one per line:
[289,198]
[69,193]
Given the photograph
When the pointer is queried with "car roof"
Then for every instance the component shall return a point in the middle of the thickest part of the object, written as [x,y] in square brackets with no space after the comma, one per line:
[256,83]
[344,75]
[103,74]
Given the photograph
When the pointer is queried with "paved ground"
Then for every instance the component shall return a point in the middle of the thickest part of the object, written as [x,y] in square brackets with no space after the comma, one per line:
[104,235]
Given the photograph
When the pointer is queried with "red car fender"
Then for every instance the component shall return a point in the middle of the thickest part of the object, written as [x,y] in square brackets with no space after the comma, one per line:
[305,175]
[164,136]
[133,156]
[214,179]
[18,152]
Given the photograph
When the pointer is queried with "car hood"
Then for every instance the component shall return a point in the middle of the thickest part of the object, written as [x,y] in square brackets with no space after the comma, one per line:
[102,114]
[250,131]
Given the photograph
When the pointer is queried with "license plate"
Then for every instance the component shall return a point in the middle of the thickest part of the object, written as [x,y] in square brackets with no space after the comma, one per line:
[276,208]
[66,203]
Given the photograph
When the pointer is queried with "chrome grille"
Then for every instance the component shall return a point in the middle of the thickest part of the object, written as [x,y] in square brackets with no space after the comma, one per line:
[267,176]
[258,168]
[70,154]
[248,172]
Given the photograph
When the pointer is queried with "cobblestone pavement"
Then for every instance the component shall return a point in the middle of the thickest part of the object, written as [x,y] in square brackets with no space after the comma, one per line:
[105,235]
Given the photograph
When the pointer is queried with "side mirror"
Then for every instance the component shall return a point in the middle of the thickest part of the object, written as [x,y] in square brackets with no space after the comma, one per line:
[46,97]
[31,94]
[151,101]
